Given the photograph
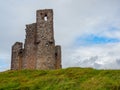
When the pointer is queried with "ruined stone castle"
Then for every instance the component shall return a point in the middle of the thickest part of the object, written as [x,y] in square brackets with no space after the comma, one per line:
[39,51]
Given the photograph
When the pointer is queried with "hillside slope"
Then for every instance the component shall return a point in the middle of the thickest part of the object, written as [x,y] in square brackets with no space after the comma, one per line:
[64,79]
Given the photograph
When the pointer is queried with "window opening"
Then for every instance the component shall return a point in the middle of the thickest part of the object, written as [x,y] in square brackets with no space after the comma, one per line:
[55,54]
[45,18]
[51,42]
[46,45]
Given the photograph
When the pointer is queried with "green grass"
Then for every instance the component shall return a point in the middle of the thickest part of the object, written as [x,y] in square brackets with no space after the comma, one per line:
[63,79]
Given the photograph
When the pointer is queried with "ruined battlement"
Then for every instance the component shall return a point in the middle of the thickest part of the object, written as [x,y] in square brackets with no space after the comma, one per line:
[40,51]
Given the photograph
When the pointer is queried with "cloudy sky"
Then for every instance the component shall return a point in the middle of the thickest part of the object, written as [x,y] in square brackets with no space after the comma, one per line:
[87,30]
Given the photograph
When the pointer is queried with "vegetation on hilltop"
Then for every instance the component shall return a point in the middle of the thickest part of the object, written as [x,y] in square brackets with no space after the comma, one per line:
[63,79]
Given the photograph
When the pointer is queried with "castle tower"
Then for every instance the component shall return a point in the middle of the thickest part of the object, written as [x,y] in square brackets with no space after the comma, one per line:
[17,53]
[45,40]
[39,50]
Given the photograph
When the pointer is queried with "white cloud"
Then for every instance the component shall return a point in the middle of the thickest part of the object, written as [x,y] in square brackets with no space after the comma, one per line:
[98,56]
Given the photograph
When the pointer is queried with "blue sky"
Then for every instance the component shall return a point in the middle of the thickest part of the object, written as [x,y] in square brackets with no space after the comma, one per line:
[92,39]
[85,30]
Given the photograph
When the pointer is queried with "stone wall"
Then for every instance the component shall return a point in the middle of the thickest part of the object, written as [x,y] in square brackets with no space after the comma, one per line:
[39,50]
[30,47]
[58,57]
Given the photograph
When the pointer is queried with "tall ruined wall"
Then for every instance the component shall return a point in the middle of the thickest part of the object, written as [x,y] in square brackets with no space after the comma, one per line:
[29,47]
[17,56]
[45,40]
[58,57]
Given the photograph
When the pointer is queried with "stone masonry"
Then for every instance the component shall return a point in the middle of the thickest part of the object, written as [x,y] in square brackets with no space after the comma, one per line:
[39,50]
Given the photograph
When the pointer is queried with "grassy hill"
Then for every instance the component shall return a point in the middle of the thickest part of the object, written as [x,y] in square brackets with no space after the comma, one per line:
[64,79]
